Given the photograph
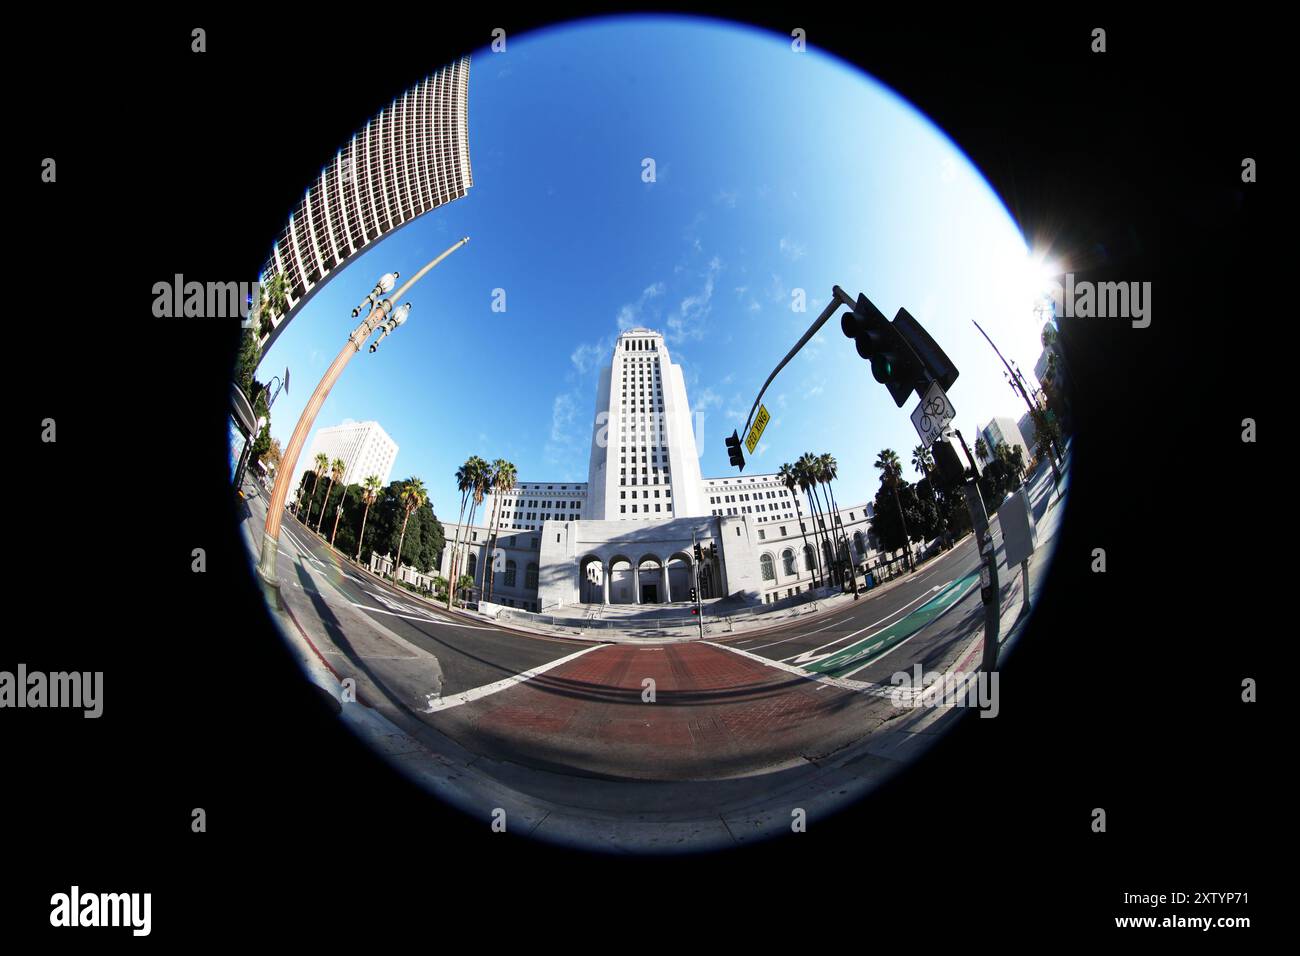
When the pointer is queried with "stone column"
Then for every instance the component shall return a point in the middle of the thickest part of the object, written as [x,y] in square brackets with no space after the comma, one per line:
[668,595]
[604,581]
[636,583]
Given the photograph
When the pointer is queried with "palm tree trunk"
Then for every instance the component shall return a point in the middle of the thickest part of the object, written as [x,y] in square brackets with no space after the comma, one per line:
[397,565]
[492,543]
[455,551]
[907,544]
[837,527]
[337,515]
[314,485]
[817,541]
[805,538]
[468,537]
[328,487]
[830,534]
[362,537]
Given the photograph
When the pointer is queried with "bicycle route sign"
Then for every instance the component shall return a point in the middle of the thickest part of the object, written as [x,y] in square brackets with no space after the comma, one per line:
[933,414]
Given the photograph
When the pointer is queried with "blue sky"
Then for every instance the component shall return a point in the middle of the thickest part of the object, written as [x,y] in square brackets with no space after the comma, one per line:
[776,171]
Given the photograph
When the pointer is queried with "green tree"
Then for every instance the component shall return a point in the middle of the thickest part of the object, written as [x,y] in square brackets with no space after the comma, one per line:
[1047,433]
[413,495]
[898,519]
[273,300]
[891,476]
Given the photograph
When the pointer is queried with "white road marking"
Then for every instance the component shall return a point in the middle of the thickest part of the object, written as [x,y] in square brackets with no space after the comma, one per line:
[858,686]
[797,636]
[464,697]
[419,617]
[877,660]
[808,656]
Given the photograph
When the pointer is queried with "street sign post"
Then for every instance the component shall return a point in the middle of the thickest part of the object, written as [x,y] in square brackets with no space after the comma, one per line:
[933,414]
[755,433]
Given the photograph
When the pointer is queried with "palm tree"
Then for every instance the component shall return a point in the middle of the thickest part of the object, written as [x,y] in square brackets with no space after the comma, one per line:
[273,299]
[482,488]
[465,484]
[922,460]
[504,476]
[789,476]
[413,496]
[805,471]
[369,495]
[981,449]
[336,472]
[815,480]
[478,474]
[322,462]
[891,473]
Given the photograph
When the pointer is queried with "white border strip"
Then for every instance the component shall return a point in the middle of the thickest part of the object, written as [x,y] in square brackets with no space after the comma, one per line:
[464,697]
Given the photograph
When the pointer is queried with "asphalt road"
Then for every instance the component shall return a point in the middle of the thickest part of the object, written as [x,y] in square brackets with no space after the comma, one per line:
[729,706]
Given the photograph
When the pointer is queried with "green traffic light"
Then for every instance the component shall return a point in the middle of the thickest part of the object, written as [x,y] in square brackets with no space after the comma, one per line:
[882,368]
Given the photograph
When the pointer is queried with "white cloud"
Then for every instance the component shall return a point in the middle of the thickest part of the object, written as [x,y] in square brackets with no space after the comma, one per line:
[563,411]
[791,249]
[629,314]
[689,319]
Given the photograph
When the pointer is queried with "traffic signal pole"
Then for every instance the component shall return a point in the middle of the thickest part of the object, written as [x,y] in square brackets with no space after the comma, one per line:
[838,298]
[989,593]
[699,584]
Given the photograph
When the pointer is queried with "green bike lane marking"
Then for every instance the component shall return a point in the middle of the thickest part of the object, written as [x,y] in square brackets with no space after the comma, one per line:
[887,637]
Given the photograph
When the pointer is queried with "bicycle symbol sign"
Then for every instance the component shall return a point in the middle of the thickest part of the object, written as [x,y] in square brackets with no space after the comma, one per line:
[933,414]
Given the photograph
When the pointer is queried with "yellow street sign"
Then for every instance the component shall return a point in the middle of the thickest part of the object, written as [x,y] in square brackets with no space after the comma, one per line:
[756,432]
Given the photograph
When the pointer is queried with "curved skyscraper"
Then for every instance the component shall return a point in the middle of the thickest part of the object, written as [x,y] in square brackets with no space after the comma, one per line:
[409,159]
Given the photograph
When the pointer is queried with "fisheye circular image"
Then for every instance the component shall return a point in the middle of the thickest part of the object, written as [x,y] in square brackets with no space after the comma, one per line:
[651,431]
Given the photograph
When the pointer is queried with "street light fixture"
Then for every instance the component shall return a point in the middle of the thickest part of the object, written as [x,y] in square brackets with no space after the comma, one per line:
[382,287]
[398,318]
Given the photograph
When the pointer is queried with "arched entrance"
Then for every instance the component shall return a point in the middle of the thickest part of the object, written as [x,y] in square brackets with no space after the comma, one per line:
[679,578]
[591,580]
[620,581]
[649,580]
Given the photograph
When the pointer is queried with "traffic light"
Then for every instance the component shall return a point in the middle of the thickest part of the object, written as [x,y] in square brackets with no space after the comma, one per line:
[948,468]
[734,453]
[893,364]
[935,364]
[699,554]
[903,356]
[693,599]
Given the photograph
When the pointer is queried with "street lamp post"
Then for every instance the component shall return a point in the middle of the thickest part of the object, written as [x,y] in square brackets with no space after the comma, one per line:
[1018,386]
[382,312]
